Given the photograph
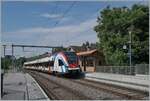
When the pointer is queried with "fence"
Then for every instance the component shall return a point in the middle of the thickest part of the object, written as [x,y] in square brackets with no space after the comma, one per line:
[127,70]
[142,69]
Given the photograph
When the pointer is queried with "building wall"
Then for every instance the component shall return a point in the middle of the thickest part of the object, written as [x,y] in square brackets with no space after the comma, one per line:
[91,61]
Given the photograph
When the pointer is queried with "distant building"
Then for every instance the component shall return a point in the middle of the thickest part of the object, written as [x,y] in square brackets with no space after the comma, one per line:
[81,48]
[76,48]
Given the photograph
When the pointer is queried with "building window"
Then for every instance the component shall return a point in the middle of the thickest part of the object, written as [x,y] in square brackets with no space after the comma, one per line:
[99,63]
[89,61]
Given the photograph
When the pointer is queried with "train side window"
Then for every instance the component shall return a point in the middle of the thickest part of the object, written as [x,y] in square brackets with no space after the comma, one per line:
[51,63]
[60,62]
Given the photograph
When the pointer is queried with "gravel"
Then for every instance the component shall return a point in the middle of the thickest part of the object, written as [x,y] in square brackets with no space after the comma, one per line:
[87,91]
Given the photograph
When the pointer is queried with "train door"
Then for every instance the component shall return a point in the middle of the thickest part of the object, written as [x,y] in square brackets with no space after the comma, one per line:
[61,65]
[51,66]
[57,65]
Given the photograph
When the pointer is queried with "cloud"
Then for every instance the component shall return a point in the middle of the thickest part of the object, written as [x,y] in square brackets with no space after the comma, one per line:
[59,35]
[71,34]
[88,24]
[51,16]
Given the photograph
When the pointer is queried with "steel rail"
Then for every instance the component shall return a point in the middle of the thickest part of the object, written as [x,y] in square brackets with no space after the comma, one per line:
[128,93]
[44,79]
[118,90]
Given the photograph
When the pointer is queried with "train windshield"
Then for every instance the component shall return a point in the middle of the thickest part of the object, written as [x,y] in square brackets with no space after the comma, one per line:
[72,57]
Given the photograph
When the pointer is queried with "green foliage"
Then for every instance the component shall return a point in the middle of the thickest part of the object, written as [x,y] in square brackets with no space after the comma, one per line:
[20,61]
[6,63]
[89,45]
[55,50]
[113,29]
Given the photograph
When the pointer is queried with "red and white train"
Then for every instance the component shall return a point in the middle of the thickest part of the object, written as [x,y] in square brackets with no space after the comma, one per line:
[61,62]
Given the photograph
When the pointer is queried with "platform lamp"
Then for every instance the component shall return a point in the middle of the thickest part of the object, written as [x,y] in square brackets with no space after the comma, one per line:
[125,50]
[130,29]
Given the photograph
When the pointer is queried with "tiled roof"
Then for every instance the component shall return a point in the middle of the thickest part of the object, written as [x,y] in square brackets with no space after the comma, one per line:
[86,52]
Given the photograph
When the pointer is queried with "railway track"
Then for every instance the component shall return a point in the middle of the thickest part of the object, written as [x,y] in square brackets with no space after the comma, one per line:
[56,91]
[52,88]
[121,91]
[45,86]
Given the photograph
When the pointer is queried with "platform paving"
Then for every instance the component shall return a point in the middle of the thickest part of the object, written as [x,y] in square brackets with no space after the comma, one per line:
[134,82]
[21,86]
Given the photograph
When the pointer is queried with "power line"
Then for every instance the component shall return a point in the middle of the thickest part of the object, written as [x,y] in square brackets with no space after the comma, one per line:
[65,13]
[97,11]
[55,8]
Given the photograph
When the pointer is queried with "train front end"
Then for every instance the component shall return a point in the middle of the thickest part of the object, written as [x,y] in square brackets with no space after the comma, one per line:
[73,62]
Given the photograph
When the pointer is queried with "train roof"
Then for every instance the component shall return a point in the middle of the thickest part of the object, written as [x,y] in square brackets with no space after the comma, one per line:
[46,59]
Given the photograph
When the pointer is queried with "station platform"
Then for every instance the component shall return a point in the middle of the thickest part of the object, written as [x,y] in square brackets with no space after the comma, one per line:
[21,86]
[138,82]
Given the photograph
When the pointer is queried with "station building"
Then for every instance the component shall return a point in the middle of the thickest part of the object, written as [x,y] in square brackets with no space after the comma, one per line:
[89,60]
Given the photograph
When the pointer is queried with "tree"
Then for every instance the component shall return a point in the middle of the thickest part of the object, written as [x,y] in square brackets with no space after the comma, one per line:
[55,50]
[89,45]
[113,32]
[20,61]
[6,63]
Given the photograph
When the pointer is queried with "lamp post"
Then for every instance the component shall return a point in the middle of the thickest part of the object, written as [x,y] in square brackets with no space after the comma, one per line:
[130,29]
[130,53]
[125,48]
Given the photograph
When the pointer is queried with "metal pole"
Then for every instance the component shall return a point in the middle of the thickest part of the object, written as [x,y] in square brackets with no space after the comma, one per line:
[2,78]
[2,72]
[4,49]
[12,50]
[130,53]
[12,57]
[84,60]
[4,56]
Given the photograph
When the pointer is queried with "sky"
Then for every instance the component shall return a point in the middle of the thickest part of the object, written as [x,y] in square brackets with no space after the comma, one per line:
[53,23]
